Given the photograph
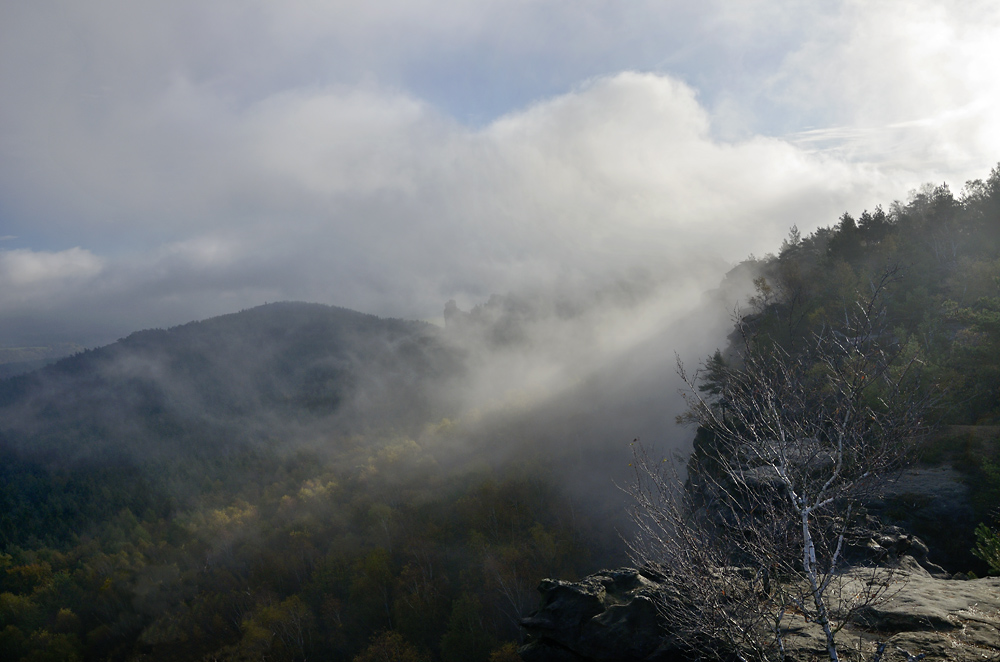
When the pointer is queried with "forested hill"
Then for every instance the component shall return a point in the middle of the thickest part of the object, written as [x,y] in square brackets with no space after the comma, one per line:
[234,380]
[943,301]
[938,256]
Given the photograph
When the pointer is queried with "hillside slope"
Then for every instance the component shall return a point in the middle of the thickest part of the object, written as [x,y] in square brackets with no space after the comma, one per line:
[229,381]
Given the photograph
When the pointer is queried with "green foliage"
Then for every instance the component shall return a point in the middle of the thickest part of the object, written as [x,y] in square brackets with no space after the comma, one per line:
[467,638]
[943,309]
[945,302]
[713,375]
[505,653]
[420,603]
[988,547]
[45,646]
[278,631]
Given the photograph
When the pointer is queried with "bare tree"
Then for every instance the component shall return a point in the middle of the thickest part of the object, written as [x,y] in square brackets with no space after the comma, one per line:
[788,447]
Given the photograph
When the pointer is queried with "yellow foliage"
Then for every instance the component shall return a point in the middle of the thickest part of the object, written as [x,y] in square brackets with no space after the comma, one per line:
[505,653]
[238,514]
[316,488]
[396,451]
[442,427]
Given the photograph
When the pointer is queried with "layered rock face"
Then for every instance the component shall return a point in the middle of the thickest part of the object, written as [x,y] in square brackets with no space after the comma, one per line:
[612,615]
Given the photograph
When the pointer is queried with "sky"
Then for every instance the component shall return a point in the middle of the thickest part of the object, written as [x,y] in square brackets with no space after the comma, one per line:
[169,160]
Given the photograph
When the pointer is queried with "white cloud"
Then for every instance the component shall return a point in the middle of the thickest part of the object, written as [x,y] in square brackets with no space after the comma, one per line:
[912,81]
[214,156]
[26,274]
[369,198]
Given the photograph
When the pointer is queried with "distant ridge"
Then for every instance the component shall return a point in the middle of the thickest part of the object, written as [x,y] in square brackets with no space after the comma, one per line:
[237,379]
[21,360]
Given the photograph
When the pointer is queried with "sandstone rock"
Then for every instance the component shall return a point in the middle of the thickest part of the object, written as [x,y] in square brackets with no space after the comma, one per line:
[944,619]
[611,615]
[892,546]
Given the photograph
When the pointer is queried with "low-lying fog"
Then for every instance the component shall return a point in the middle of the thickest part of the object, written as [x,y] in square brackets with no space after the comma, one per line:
[559,378]
[574,377]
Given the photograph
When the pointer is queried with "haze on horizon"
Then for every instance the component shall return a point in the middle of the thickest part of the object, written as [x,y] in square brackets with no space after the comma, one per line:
[167,161]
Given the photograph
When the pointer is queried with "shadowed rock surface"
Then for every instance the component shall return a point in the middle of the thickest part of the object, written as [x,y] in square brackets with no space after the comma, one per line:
[610,615]
[933,503]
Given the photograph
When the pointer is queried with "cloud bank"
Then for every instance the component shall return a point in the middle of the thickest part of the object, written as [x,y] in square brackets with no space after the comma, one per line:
[169,161]
[375,201]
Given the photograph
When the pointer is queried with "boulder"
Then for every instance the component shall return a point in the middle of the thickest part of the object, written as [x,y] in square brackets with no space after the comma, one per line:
[610,615]
[891,546]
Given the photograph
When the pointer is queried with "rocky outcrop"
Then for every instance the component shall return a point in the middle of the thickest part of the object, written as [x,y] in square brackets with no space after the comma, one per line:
[889,546]
[607,616]
[611,615]
[933,503]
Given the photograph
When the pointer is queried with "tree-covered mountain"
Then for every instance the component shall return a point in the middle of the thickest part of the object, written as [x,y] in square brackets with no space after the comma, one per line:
[143,410]
[22,360]
[232,380]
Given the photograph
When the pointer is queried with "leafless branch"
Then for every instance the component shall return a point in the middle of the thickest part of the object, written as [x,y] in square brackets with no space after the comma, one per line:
[790,445]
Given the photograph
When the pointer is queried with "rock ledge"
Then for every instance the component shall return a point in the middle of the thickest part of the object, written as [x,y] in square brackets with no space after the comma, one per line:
[611,615]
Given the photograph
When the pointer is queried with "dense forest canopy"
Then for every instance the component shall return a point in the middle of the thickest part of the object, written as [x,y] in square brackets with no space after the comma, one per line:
[943,304]
[938,257]
[301,482]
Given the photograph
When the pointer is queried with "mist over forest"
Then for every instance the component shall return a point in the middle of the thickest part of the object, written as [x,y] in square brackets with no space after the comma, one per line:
[423,475]
[565,377]
[328,330]
[297,480]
